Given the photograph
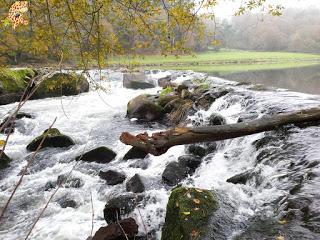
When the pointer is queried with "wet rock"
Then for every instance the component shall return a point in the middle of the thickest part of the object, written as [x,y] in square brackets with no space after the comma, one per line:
[135,184]
[269,228]
[135,153]
[136,81]
[201,150]
[98,155]
[53,139]
[49,185]
[119,206]
[188,212]
[13,82]
[11,125]
[297,207]
[174,173]
[114,232]
[248,117]
[143,164]
[67,202]
[211,147]
[190,161]
[163,100]
[69,182]
[205,101]
[112,177]
[62,84]
[241,178]
[4,160]
[164,81]
[196,150]
[145,108]
[216,119]
[182,87]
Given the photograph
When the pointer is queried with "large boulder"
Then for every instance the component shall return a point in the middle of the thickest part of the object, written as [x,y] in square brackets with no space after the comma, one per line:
[13,82]
[136,80]
[98,155]
[4,160]
[144,108]
[126,229]
[188,212]
[53,138]
[62,84]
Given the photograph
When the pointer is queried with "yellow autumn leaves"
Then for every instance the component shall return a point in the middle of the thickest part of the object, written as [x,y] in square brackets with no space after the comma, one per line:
[17,12]
[2,143]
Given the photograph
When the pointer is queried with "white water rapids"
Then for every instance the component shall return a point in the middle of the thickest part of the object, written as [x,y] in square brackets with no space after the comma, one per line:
[97,118]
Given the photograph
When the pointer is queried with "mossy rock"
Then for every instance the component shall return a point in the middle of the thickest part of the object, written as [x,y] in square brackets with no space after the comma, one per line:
[188,212]
[53,139]
[144,107]
[62,84]
[13,83]
[4,161]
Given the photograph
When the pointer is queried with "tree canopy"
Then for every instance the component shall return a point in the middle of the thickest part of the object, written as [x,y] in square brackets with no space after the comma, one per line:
[86,32]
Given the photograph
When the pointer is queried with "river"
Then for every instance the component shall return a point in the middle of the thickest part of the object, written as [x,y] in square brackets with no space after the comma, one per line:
[283,185]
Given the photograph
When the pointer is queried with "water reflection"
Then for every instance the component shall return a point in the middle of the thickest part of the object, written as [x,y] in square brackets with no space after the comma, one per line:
[304,79]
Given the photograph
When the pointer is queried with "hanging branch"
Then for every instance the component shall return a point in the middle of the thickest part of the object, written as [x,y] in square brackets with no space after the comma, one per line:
[24,171]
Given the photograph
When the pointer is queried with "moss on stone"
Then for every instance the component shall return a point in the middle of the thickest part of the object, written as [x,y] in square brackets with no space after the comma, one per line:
[15,81]
[163,100]
[53,138]
[144,107]
[188,211]
[62,84]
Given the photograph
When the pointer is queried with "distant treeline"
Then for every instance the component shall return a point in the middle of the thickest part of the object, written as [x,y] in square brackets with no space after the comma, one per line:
[295,31]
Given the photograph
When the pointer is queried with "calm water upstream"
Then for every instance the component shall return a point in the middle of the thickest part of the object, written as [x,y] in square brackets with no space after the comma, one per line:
[283,165]
[303,79]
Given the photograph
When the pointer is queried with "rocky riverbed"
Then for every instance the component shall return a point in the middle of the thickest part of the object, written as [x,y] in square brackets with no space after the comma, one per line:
[262,186]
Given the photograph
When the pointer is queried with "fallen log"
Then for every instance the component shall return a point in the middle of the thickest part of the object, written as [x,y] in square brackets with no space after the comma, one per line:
[158,143]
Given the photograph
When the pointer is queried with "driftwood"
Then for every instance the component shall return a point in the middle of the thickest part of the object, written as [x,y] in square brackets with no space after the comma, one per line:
[158,143]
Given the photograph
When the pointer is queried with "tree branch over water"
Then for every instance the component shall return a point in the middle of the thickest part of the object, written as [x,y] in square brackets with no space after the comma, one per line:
[158,143]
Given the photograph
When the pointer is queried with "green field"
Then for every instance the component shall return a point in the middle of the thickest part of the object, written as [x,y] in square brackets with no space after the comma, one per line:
[222,61]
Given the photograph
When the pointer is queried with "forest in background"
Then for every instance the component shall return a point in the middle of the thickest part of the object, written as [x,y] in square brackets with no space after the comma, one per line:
[295,31]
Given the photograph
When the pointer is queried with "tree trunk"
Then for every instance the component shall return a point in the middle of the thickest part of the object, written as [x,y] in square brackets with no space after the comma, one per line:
[160,142]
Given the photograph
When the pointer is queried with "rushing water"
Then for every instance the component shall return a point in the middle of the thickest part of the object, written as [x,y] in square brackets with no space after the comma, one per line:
[284,165]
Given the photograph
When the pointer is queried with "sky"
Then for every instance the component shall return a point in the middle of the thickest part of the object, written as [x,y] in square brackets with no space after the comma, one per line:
[227,8]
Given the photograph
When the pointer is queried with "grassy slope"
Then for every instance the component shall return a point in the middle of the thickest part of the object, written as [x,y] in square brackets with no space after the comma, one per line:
[219,56]
[222,61]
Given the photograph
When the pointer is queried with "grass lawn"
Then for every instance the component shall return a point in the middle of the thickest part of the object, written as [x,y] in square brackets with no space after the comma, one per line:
[222,61]
[232,68]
